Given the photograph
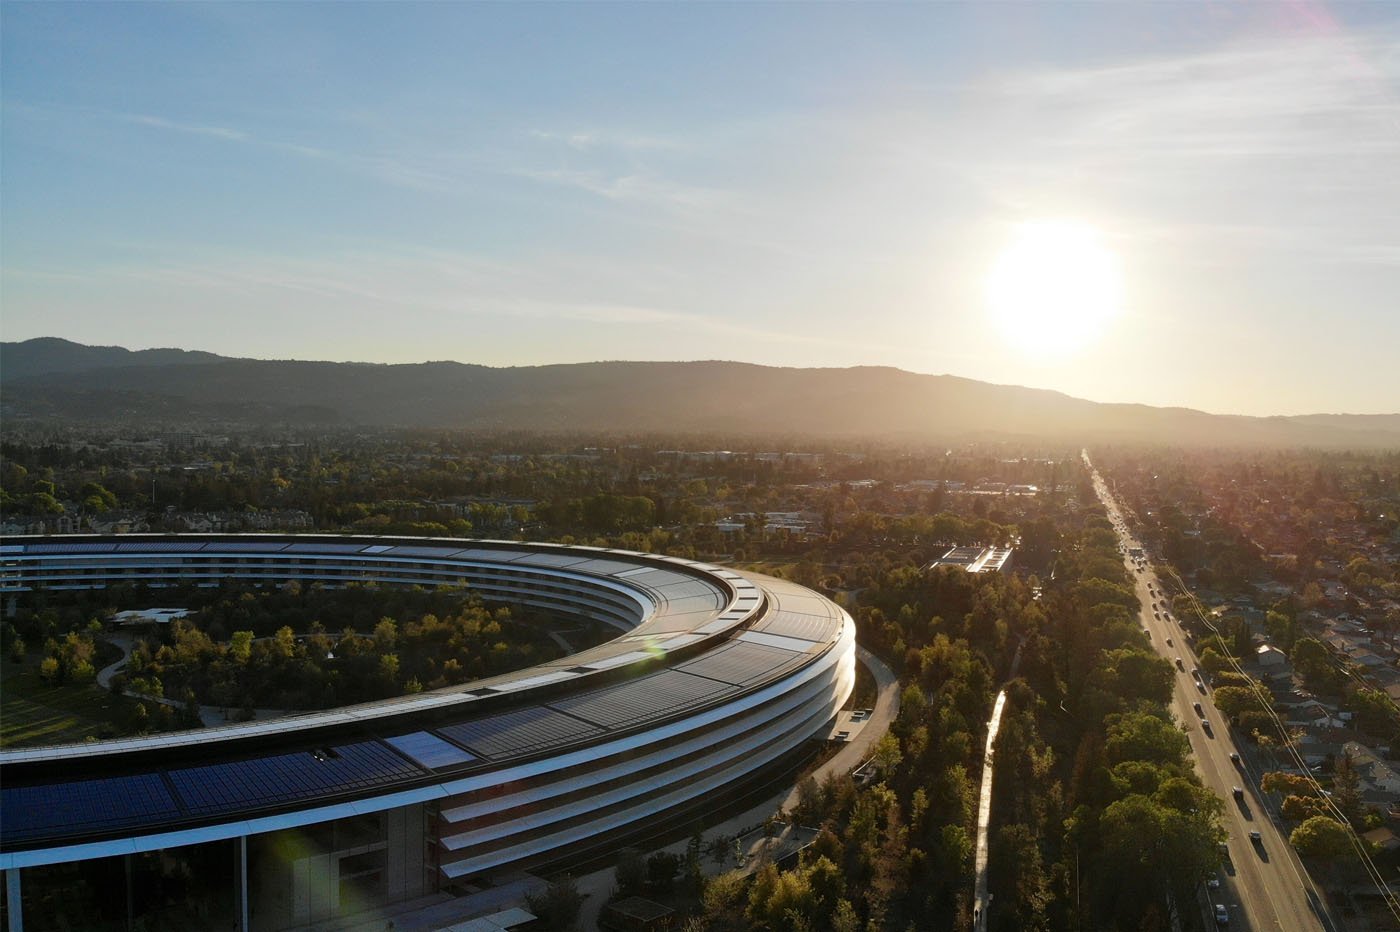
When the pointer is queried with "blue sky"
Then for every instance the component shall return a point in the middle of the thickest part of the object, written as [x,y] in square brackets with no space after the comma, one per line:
[788,184]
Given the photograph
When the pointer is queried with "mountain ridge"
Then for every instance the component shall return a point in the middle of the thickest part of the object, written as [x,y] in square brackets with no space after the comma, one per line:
[58,379]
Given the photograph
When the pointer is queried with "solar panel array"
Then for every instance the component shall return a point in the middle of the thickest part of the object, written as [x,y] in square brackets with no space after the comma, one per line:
[796,625]
[284,778]
[153,547]
[71,548]
[522,731]
[431,751]
[643,700]
[741,664]
[78,807]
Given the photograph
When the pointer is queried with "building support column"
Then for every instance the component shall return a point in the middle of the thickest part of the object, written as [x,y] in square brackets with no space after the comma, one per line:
[14,901]
[243,883]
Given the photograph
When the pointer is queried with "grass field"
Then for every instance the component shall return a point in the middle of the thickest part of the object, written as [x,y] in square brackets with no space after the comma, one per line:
[33,712]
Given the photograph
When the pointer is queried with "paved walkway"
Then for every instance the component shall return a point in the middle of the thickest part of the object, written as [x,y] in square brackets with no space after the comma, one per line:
[210,715]
[981,898]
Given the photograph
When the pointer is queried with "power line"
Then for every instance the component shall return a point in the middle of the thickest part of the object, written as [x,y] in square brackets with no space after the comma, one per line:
[1358,844]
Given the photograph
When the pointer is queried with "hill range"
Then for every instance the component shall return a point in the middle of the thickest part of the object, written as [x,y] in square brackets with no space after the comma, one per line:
[51,379]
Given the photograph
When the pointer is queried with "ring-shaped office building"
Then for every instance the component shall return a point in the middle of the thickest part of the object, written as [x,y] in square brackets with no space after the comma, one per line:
[715,678]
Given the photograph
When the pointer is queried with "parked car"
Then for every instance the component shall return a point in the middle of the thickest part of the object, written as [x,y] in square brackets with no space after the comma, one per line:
[1222,915]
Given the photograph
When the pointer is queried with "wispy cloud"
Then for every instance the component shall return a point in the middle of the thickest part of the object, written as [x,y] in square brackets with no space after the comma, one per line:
[196,129]
[631,188]
[583,140]
[417,171]
[1292,142]
[428,291]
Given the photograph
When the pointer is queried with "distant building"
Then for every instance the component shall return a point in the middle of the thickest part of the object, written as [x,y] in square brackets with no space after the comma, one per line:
[148,616]
[977,559]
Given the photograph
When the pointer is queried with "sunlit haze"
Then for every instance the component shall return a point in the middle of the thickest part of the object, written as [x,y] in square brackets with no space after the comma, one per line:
[1174,204]
[1054,288]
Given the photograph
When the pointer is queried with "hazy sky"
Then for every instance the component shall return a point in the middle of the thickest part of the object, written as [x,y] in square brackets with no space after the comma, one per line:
[794,184]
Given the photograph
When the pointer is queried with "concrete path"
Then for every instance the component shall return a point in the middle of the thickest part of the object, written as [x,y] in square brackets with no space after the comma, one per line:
[124,642]
[981,898]
[210,715]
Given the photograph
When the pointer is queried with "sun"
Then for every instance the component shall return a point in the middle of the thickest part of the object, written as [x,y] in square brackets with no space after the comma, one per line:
[1054,287]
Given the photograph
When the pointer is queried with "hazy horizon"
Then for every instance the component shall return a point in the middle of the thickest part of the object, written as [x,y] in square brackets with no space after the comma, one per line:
[581,362]
[1168,205]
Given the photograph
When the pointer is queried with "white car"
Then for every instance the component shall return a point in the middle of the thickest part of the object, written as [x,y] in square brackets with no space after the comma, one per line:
[1222,915]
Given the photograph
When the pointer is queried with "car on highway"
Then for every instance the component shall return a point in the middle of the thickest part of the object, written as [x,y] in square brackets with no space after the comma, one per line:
[1235,759]
[1222,915]
[1170,644]
[1197,707]
[1180,666]
[1205,726]
[1213,883]
[1256,838]
[1238,792]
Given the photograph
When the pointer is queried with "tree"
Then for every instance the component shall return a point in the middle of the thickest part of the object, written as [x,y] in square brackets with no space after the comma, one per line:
[1289,784]
[724,898]
[49,669]
[389,671]
[662,868]
[1346,790]
[1232,700]
[1312,661]
[1153,856]
[1321,837]
[558,905]
[284,642]
[386,635]
[1016,863]
[1375,713]
[240,646]
[631,871]
[1144,736]
[1302,808]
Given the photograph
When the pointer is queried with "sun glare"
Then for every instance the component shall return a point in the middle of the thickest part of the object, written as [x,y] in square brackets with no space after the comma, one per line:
[1054,287]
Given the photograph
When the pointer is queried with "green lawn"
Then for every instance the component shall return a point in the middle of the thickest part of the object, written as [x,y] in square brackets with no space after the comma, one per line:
[33,712]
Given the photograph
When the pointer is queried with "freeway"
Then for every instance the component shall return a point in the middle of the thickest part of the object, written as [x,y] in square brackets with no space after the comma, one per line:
[1263,885]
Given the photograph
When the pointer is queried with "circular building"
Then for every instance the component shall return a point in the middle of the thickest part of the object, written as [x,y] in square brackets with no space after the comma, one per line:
[716,678]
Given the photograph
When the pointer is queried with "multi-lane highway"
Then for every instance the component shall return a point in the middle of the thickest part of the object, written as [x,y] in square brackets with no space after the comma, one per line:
[1262,884]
